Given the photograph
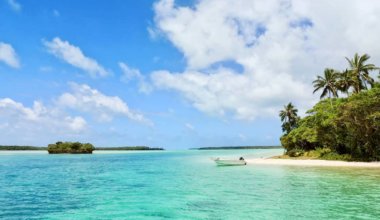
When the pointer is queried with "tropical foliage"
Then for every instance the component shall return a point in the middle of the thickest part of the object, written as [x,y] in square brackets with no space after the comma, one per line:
[70,148]
[341,128]
[345,81]
[289,117]
[359,72]
[328,83]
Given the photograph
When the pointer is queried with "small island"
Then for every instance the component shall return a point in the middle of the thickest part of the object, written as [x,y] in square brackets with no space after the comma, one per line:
[70,148]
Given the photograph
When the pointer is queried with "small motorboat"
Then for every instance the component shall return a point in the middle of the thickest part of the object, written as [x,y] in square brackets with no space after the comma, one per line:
[229,162]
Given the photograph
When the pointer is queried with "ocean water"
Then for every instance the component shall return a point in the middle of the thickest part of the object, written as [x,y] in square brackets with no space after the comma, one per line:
[180,185]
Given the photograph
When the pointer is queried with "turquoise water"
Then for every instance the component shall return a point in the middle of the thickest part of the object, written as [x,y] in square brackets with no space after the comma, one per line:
[180,185]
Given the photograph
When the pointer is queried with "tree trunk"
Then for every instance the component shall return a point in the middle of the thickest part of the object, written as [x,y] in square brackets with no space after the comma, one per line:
[330,99]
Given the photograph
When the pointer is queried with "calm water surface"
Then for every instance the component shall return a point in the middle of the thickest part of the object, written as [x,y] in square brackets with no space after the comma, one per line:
[180,185]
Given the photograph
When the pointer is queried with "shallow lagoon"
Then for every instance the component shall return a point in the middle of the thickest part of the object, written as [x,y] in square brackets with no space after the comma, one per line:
[180,185]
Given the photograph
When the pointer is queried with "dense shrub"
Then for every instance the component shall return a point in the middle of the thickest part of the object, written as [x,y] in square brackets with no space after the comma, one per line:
[336,156]
[295,152]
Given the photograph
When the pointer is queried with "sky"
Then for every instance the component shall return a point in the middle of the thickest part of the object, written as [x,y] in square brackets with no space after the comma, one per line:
[165,73]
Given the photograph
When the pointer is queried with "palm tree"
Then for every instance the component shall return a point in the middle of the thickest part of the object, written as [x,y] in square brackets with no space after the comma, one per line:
[328,83]
[345,81]
[359,71]
[289,117]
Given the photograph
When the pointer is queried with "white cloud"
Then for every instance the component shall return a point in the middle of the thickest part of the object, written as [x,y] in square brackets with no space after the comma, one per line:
[153,34]
[130,74]
[63,119]
[280,44]
[189,126]
[14,5]
[14,116]
[85,99]
[38,124]
[77,123]
[74,56]
[225,91]
[8,55]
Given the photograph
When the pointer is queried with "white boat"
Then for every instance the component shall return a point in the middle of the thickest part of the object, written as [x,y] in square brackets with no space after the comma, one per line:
[229,162]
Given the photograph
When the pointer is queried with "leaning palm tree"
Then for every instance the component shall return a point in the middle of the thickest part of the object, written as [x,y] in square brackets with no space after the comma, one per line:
[360,72]
[328,83]
[289,117]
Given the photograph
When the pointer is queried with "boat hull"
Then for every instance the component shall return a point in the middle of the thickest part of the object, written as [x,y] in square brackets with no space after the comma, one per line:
[230,162]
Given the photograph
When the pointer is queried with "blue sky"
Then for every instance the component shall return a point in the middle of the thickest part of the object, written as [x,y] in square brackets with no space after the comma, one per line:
[175,74]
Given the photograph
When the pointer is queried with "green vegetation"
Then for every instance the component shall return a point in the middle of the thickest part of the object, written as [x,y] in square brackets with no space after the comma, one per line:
[327,83]
[237,147]
[129,148]
[289,118]
[70,148]
[15,147]
[335,128]
[319,153]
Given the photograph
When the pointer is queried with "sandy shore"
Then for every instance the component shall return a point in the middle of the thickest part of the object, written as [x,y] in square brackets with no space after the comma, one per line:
[322,163]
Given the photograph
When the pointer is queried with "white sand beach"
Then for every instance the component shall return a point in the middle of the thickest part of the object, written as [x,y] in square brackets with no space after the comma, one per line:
[322,163]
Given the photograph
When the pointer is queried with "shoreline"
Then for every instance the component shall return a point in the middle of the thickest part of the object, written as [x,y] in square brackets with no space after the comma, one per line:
[30,152]
[310,162]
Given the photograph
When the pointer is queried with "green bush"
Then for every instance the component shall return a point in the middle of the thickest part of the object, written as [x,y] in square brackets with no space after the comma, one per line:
[336,156]
[295,153]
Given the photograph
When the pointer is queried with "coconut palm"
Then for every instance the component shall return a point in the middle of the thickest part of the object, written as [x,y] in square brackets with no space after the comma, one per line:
[345,81]
[289,117]
[360,72]
[328,83]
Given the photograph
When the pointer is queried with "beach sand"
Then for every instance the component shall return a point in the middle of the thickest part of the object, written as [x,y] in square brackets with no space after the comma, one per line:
[321,163]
